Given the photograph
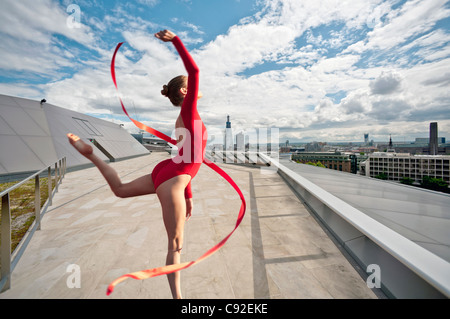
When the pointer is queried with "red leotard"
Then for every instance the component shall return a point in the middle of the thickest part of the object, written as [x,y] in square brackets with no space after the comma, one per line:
[193,144]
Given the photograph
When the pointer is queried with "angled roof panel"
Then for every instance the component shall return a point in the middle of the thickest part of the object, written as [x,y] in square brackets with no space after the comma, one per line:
[39,118]
[20,121]
[8,100]
[16,156]
[35,135]
[43,147]
[27,103]
[5,129]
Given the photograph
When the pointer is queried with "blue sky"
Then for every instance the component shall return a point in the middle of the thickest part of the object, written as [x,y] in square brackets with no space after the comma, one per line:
[322,70]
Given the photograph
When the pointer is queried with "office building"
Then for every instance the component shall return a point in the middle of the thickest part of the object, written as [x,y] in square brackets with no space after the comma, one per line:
[333,160]
[398,165]
[433,138]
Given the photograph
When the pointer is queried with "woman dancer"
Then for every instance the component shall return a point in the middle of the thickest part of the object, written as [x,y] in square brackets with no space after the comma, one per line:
[171,178]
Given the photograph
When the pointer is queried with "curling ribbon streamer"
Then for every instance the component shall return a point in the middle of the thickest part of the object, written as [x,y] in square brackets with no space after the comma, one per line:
[144,274]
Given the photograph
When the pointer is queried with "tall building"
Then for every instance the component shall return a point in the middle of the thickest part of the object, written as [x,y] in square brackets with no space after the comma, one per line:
[366,138]
[228,122]
[433,138]
[228,143]
[240,141]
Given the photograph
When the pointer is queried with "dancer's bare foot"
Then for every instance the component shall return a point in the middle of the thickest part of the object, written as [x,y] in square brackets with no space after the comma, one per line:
[80,146]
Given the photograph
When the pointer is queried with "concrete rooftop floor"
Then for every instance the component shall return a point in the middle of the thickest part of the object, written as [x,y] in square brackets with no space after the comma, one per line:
[279,250]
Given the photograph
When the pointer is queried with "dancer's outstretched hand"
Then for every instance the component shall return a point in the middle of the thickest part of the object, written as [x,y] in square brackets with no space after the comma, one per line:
[165,35]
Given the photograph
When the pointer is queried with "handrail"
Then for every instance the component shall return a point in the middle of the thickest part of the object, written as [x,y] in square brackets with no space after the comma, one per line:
[8,190]
[8,262]
[430,267]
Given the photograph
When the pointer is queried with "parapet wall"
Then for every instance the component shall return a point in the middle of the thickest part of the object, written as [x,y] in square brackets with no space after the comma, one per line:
[407,269]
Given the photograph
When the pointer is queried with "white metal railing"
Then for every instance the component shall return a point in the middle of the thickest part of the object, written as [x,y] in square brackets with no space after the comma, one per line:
[430,267]
[236,157]
[7,261]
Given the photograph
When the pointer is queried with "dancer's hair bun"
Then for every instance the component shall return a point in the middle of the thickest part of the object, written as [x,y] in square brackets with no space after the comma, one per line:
[165,90]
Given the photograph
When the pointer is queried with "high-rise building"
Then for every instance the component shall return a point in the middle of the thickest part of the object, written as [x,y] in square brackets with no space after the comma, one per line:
[240,141]
[433,138]
[228,143]
[366,138]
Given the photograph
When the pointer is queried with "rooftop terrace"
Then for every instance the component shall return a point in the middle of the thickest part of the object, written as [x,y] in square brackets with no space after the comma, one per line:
[279,251]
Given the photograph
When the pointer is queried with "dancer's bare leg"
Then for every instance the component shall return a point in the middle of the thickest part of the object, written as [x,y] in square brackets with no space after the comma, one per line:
[140,186]
[173,202]
[170,194]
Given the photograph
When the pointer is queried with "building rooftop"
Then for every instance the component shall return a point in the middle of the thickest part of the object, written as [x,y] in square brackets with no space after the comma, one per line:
[279,250]
[398,154]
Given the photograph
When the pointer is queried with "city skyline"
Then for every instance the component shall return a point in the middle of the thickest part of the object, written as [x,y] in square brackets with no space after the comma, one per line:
[365,137]
[318,71]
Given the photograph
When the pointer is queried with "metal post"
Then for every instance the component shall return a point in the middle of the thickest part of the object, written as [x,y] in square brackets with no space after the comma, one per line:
[37,202]
[60,169]
[56,176]
[5,252]
[64,166]
[49,182]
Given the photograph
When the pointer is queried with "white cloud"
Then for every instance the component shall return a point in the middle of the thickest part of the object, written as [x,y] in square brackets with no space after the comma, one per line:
[412,19]
[28,30]
[386,83]
[356,103]
[257,72]
[150,3]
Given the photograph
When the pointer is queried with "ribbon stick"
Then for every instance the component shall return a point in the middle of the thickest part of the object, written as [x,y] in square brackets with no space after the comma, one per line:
[144,274]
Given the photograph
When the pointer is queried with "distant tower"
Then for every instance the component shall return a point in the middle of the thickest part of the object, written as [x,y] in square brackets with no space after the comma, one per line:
[391,146]
[366,138]
[433,138]
[229,145]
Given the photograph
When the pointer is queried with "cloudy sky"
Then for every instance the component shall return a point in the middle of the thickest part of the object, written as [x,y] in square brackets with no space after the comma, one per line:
[318,70]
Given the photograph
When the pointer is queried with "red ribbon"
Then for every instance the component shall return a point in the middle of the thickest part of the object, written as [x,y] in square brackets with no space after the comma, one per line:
[144,274]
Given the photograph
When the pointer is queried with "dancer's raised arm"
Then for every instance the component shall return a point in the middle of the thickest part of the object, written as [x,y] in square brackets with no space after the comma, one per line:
[192,91]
